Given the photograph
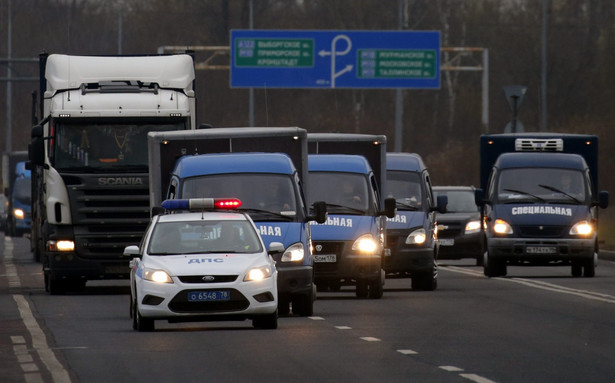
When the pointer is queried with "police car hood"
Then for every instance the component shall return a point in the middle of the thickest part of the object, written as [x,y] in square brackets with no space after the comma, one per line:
[342,227]
[540,214]
[214,264]
[285,232]
[405,219]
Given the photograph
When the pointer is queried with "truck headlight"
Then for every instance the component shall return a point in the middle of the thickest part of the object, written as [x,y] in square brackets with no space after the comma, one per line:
[62,245]
[366,244]
[258,274]
[502,227]
[159,276]
[293,253]
[582,228]
[472,227]
[417,237]
[18,213]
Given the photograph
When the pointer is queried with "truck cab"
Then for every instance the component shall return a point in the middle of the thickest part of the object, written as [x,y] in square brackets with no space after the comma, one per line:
[349,246]
[540,201]
[412,243]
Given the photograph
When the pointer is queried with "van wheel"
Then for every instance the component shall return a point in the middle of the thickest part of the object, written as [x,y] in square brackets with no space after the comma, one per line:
[576,269]
[303,305]
[362,288]
[494,267]
[589,267]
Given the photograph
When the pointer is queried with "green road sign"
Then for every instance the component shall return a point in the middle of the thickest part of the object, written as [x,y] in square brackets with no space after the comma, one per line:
[397,63]
[274,53]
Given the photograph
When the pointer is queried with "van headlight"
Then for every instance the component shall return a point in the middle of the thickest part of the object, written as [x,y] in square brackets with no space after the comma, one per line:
[583,228]
[366,244]
[293,253]
[502,227]
[472,227]
[417,237]
[18,213]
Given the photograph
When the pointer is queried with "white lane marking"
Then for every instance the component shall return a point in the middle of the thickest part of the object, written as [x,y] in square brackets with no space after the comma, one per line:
[476,378]
[543,285]
[451,368]
[370,339]
[316,318]
[39,342]
[343,327]
[407,352]
[18,339]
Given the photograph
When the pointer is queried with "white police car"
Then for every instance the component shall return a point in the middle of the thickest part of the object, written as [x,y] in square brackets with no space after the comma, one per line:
[205,265]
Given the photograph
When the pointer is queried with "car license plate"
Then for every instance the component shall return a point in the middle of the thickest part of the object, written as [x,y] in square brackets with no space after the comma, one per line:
[446,241]
[325,258]
[207,296]
[541,249]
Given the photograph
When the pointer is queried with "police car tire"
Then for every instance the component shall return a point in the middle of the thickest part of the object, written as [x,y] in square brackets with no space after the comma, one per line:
[140,323]
[266,322]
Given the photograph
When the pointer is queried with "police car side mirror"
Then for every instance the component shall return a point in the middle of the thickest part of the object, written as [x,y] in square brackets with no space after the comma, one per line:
[479,197]
[320,212]
[390,207]
[276,247]
[603,199]
[442,204]
[132,251]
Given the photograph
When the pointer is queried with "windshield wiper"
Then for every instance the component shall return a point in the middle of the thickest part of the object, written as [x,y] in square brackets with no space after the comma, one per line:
[405,205]
[553,188]
[348,208]
[269,213]
[526,193]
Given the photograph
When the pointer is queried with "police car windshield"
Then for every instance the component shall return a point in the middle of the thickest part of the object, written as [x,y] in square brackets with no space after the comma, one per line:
[343,192]
[264,196]
[200,237]
[98,146]
[459,201]
[543,185]
[405,187]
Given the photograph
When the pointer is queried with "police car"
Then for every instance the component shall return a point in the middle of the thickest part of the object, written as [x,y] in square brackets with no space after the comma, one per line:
[207,263]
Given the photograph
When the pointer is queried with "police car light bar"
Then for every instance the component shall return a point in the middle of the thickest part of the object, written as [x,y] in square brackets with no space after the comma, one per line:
[201,203]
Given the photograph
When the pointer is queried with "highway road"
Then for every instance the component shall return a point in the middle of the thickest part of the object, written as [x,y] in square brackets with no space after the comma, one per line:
[537,324]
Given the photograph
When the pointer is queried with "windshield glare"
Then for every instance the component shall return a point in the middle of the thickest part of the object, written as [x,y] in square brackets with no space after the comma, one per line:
[197,237]
[104,145]
[343,189]
[269,192]
[536,184]
[405,187]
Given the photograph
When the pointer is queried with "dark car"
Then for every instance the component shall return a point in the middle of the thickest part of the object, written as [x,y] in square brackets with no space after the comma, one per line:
[459,232]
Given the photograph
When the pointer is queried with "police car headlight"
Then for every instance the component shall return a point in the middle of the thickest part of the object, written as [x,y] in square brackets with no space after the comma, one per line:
[293,253]
[472,227]
[159,276]
[502,227]
[18,213]
[258,274]
[582,228]
[417,237]
[366,244]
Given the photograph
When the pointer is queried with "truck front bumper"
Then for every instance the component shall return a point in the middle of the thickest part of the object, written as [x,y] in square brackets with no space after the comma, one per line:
[69,266]
[541,250]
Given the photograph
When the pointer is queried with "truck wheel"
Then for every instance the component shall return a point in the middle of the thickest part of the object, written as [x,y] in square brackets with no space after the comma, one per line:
[494,267]
[376,288]
[362,288]
[54,286]
[267,322]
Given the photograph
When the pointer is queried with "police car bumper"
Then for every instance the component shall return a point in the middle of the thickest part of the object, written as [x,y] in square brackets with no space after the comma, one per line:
[541,249]
[295,280]
[409,260]
[191,301]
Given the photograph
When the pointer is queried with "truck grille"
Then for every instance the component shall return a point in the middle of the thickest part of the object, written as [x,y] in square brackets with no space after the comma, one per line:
[107,218]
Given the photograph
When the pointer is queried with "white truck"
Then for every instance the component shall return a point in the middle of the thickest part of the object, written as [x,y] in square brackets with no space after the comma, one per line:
[89,158]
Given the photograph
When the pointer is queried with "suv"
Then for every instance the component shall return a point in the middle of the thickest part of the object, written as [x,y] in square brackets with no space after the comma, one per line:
[459,232]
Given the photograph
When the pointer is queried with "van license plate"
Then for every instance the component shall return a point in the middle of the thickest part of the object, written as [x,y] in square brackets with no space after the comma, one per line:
[446,241]
[325,258]
[541,249]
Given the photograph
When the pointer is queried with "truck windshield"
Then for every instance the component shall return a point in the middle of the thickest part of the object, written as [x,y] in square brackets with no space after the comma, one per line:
[542,185]
[344,193]
[273,193]
[107,146]
[405,187]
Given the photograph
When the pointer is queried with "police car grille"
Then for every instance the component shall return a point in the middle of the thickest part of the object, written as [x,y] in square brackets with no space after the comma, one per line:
[207,278]
[180,303]
[541,231]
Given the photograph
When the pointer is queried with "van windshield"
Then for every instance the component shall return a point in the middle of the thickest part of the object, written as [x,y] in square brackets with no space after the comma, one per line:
[405,187]
[344,193]
[542,185]
[273,193]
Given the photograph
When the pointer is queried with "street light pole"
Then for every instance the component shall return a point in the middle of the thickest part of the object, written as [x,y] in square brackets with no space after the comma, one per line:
[9,103]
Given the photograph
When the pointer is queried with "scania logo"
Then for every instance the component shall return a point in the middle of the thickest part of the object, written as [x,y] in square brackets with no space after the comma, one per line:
[120,181]
[209,278]
[319,248]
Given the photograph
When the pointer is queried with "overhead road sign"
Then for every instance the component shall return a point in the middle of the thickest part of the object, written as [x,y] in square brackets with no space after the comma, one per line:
[335,59]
